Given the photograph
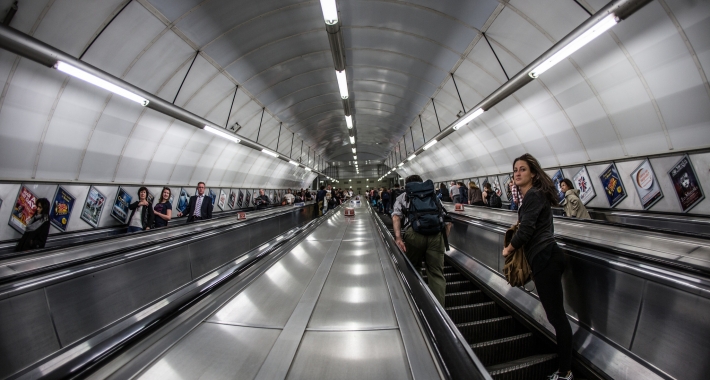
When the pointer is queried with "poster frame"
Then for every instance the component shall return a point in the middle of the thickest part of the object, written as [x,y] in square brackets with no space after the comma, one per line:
[101,209]
[222,202]
[612,168]
[557,180]
[187,200]
[70,207]
[12,212]
[589,180]
[695,175]
[655,184]
[116,199]
[232,199]
[212,195]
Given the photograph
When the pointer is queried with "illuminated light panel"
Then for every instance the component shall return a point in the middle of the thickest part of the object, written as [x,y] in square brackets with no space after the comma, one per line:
[430,144]
[352,139]
[411,157]
[468,118]
[342,83]
[96,81]
[222,134]
[348,118]
[270,153]
[595,31]
[330,11]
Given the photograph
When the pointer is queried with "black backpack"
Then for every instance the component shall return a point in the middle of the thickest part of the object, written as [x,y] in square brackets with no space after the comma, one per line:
[494,200]
[425,213]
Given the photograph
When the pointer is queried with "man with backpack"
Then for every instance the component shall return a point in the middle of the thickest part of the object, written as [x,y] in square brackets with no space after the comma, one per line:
[423,237]
[491,197]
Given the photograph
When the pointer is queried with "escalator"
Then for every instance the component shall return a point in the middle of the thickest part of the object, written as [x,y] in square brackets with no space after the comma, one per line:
[508,348]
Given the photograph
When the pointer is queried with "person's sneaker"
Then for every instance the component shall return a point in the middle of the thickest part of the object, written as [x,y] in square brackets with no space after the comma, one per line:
[558,376]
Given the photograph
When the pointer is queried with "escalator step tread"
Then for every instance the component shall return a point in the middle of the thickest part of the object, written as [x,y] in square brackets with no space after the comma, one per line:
[489,329]
[474,312]
[531,367]
[506,349]
[459,286]
[465,298]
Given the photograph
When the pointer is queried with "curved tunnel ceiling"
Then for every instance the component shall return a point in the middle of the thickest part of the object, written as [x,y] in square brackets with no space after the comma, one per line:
[639,89]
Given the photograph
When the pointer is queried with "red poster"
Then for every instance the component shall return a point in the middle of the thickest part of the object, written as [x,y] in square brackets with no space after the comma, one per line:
[23,210]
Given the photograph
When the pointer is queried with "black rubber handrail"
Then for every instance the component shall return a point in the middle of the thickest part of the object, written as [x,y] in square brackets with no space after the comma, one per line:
[455,357]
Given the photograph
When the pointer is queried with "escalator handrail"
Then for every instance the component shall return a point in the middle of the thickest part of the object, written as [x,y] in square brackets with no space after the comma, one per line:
[43,274]
[454,355]
[87,360]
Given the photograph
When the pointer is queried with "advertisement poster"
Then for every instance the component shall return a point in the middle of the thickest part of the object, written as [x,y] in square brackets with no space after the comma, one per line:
[149,197]
[507,182]
[23,210]
[482,182]
[495,184]
[686,184]
[94,204]
[183,201]
[557,179]
[247,199]
[232,199]
[61,209]
[120,205]
[272,196]
[613,187]
[240,199]
[646,184]
[584,184]
[212,195]
[222,200]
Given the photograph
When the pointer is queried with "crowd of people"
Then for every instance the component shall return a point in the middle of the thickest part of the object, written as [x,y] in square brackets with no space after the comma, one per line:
[328,198]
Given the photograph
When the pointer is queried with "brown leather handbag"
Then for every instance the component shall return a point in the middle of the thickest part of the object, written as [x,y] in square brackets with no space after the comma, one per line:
[516,269]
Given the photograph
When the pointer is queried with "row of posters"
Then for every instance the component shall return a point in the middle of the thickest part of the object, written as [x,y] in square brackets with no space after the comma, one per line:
[63,202]
[682,175]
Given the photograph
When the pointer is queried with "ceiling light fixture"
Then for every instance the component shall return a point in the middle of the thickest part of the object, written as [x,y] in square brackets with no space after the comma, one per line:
[602,26]
[96,81]
[354,157]
[411,157]
[468,118]
[270,153]
[342,83]
[401,164]
[430,144]
[354,150]
[308,169]
[352,139]
[293,162]
[348,119]
[222,134]
[330,11]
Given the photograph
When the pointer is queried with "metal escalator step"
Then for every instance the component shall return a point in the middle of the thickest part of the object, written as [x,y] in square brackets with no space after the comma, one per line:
[459,286]
[505,349]
[465,298]
[449,269]
[531,367]
[475,312]
[490,329]
[452,277]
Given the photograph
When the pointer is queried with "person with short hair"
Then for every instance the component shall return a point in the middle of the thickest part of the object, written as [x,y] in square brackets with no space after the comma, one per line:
[444,194]
[289,198]
[262,201]
[200,205]
[36,228]
[418,247]
[574,207]
[454,192]
[547,262]
[320,199]
[142,216]
[163,210]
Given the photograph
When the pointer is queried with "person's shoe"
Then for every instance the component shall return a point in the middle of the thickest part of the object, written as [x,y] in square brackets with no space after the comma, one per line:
[558,376]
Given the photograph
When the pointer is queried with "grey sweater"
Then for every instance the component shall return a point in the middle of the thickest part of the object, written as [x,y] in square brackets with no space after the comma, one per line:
[536,230]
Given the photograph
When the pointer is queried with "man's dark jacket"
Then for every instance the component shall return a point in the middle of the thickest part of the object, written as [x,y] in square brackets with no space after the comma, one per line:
[205,212]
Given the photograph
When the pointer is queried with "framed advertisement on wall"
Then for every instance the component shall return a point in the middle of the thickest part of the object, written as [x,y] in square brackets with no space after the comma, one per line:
[247,198]
[93,206]
[23,210]
[686,185]
[613,186]
[557,180]
[646,184]
[240,199]
[60,210]
[232,199]
[222,200]
[119,211]
[183,201]
[584,184]
[212,195]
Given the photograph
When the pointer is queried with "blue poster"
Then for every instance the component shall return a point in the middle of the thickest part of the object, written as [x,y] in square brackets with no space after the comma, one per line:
[557,179]
[120,205]
[213,196]
[60,210]
[183,201]
[613,187]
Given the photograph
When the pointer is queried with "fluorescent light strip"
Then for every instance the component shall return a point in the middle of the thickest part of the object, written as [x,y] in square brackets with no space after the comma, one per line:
[352,139]
[330,11]
[308,169]
[602,26]
[293,163]
[96,81]
[430,144]
[354,150]
[354,157]
[401,164]
[270,153]
[468,118]
[222,134]
[411,157]
[342,83]
[348,118]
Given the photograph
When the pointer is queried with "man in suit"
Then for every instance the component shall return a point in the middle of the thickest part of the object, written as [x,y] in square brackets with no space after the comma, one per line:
[200,206]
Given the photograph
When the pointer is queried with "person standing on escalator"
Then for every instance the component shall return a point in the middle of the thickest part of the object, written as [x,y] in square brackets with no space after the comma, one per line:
[262,201]
[200,205]
[536,236]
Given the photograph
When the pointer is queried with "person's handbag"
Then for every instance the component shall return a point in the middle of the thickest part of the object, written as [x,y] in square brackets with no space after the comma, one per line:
[516,269]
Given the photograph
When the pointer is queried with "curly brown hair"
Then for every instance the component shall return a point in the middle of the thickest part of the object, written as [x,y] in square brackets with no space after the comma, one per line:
[540,180]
